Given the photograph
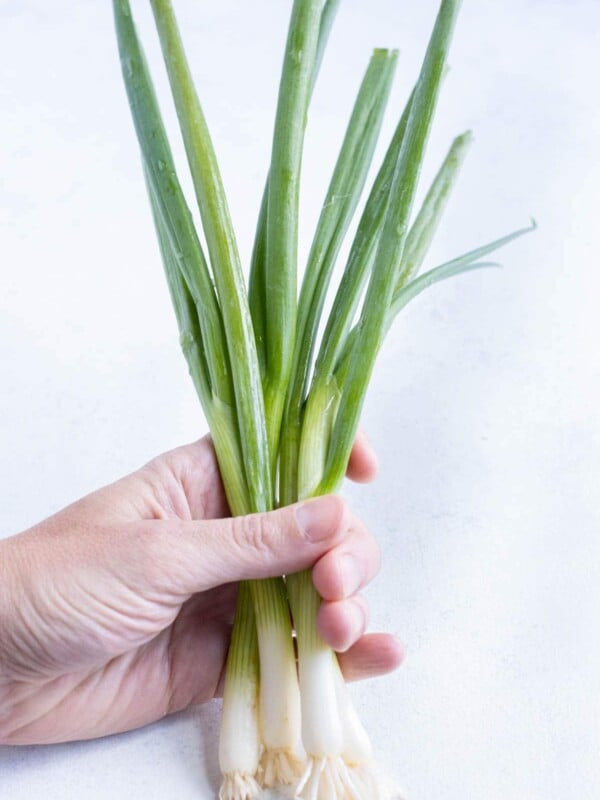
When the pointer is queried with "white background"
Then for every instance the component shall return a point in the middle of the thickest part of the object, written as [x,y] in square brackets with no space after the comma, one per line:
[484,406]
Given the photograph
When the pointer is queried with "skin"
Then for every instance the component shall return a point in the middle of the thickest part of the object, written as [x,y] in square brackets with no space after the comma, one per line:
[117,610]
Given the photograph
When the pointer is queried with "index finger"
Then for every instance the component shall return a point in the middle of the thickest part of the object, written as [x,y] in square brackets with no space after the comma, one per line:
[362,464]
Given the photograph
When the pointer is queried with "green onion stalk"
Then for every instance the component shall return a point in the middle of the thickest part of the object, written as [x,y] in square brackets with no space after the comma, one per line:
[283,403]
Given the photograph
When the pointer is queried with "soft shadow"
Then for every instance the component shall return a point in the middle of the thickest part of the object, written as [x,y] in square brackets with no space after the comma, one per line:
[207,718]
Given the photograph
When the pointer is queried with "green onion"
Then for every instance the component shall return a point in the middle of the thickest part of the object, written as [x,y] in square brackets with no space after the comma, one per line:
[279,703]
[391,244]
[256,283]
[427,220]
[283,422]
[340,203]
[225,262]
[281,251]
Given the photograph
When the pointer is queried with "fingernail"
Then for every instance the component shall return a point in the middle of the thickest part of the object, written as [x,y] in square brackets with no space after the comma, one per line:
[351,573]
[318,519]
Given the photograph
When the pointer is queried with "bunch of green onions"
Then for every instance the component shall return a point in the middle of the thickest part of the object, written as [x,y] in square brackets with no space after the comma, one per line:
[281,402]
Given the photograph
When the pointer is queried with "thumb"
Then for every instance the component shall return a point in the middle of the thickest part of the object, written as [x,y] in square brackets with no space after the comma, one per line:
[199,555]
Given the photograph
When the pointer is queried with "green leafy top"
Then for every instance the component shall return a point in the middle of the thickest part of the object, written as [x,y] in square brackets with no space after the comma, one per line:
[283,427]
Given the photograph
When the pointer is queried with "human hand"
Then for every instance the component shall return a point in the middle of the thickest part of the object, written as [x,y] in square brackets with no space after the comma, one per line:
[118,609]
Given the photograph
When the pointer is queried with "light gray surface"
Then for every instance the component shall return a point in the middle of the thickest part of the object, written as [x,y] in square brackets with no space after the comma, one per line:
[484,406]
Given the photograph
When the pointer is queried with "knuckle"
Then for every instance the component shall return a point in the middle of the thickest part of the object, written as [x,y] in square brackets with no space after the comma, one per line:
[253,532]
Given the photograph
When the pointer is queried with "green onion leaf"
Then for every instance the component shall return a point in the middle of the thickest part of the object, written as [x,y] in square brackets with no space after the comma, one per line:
[190,334]
[426,223]
[224,257]
[360,259]
[256,284]
[283,200]
[162,177]
[391,244]
[340,203]
[486,249]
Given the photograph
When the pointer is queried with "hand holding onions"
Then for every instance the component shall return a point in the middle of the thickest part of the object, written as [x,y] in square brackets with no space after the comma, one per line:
[118,609]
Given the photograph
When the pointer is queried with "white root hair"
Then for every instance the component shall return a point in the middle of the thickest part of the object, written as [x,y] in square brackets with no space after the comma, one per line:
[239,786]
